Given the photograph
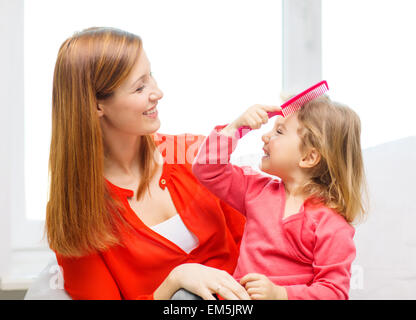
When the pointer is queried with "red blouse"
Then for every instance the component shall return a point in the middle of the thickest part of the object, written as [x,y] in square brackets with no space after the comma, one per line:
[136,269]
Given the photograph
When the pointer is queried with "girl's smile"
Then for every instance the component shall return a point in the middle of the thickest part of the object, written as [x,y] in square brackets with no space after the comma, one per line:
[266,153]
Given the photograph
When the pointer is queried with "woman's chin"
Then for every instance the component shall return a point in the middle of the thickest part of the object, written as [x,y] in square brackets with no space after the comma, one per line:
[154,127]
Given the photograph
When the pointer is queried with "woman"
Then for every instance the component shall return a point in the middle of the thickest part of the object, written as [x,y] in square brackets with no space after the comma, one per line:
[124,222]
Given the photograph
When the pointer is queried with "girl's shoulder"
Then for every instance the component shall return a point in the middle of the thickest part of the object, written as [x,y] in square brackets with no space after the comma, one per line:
[317,228]
[323,217]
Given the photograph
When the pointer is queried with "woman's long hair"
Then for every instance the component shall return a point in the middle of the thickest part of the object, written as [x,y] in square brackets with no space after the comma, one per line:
[81,216]
[338,179]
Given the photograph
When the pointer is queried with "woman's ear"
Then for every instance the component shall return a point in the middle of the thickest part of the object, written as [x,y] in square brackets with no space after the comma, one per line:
[100,110]
[310,159]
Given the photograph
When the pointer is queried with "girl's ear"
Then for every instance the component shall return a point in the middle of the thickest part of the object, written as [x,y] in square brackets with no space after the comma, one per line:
[310,159]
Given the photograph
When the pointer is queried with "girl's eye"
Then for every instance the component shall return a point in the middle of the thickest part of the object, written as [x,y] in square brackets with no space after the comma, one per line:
[278,131]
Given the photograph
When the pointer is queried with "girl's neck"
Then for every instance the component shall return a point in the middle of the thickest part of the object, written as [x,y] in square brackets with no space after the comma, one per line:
[293,188]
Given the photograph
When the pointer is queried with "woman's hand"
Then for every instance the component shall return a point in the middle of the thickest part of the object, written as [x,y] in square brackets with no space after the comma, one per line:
[205,281]
[259,287]
[254,117]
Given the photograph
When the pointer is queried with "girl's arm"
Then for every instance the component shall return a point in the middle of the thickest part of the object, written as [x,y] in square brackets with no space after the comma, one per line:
[333,255]
[214,170]
[212,164]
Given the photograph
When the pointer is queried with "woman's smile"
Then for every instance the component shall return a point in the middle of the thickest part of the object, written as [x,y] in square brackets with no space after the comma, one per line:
[151,113]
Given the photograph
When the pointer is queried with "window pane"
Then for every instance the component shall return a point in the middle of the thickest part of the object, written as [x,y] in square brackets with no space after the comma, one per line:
[212,60]
[369,62]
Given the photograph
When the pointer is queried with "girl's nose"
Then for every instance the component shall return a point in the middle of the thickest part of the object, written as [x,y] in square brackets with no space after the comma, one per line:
[265,138]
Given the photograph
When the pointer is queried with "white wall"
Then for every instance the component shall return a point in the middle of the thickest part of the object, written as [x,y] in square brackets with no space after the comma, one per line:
[11,108]
[368,58]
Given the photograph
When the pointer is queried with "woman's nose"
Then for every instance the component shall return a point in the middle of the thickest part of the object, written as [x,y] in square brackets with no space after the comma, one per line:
[156,94]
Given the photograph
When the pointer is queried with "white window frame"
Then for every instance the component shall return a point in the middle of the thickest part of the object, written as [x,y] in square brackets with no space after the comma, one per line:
[22,253]
[302,48]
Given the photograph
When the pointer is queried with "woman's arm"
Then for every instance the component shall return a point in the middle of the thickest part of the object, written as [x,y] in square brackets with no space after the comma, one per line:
[201,280]
[167,288]
[88,278]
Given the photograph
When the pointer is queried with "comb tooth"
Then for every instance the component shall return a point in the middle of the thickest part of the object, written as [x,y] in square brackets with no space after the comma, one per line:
[289,110]
[323,89]
[285,111]
[304,99]
[297,104]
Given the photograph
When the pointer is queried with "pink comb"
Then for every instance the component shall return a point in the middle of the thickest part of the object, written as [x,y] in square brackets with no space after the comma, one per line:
[293,104]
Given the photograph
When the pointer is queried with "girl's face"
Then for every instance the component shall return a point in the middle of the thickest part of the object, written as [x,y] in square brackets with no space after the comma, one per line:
[132,107]
[281,147]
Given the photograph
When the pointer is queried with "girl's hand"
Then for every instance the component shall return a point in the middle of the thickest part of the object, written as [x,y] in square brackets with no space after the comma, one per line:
[254,117]
[205,281]
[259,287]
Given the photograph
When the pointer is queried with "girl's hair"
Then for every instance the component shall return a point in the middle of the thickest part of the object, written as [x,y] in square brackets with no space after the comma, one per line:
[81,215]
[338,179]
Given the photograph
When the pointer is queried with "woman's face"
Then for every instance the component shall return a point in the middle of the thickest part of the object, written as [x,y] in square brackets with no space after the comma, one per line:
[132,107]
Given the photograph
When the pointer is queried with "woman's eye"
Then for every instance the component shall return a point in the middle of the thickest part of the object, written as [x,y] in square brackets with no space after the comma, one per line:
[278,131]
[140,89]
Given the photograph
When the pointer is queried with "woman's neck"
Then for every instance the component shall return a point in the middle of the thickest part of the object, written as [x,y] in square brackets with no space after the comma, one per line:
[121,154]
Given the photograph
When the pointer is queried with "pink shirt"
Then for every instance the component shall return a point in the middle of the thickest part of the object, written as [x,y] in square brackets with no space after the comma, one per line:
[309,253]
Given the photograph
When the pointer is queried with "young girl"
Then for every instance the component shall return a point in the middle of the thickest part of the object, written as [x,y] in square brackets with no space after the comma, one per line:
[298,238]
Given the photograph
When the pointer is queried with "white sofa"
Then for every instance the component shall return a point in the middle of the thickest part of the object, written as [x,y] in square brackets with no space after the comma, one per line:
[386,242]
[385,267]
[49,285]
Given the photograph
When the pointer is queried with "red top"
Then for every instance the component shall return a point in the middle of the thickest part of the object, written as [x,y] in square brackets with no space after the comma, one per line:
[136,269]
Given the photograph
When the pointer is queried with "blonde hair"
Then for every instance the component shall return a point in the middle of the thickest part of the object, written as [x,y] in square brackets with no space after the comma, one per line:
[338,180]
[81,215]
